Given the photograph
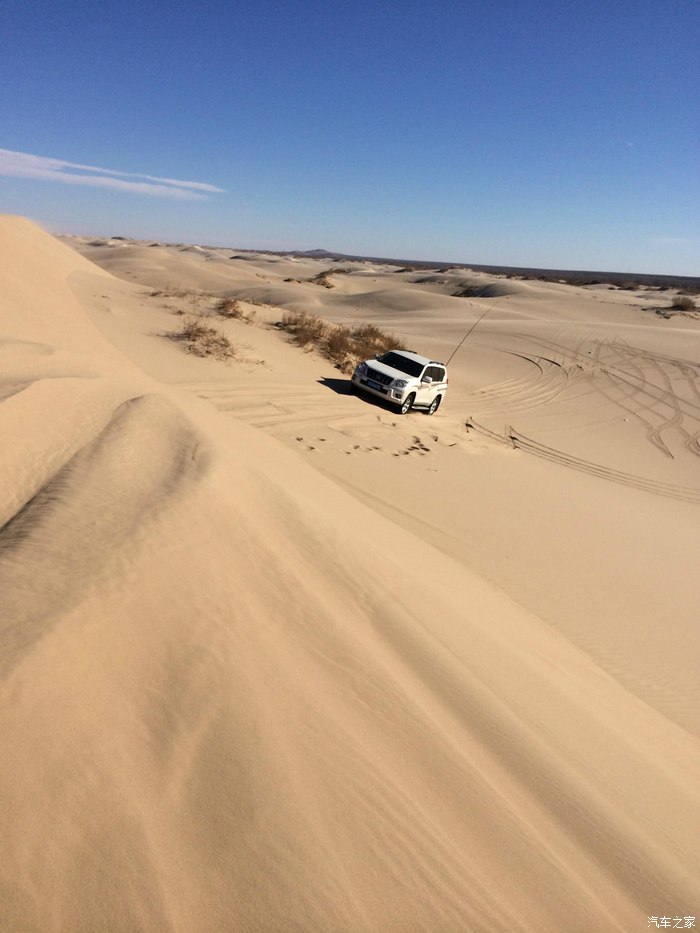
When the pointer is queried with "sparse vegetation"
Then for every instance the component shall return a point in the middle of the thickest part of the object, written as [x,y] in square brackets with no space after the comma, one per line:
[230,308]
[171,291]
[305,328]
[323,278]
[468,290]
[345,346]
[683,303]
[204,340]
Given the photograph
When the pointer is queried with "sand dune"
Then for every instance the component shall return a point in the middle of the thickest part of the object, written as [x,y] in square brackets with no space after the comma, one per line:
[277,659]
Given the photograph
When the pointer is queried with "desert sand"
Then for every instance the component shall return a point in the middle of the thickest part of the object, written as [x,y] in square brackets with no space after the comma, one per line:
[277,658]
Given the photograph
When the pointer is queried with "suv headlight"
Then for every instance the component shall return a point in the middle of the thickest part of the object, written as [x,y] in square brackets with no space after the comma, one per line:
[399,383]
[362,369]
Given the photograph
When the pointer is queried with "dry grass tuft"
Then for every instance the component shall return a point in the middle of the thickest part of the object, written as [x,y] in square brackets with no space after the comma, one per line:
[203,340]
[323,278]
[230,308]
[683,303]
[305,328]
[345,346]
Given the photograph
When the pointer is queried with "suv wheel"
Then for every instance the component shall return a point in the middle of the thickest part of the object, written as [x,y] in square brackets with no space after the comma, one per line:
[408,403]
[434,405]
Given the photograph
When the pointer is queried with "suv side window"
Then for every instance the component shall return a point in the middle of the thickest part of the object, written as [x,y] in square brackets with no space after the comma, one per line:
[438,374]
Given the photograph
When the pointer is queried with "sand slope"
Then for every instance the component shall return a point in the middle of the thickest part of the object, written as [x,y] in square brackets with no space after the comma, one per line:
[243,688]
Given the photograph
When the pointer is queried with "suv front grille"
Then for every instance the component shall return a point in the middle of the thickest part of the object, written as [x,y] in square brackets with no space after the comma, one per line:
[379,377]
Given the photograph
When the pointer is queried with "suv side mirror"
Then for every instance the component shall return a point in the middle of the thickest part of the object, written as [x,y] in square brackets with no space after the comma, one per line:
[427,380]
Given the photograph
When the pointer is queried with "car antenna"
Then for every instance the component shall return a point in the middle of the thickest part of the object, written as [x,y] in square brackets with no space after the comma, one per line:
[480,318]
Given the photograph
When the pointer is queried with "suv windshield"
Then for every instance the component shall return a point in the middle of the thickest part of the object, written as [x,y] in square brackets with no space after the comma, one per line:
[402,363]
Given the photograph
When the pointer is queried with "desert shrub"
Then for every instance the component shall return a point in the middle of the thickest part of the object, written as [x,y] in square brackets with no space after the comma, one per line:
[366,333]
[204,340]
[470,290]
[683,303]
[323,278]
[362,342]
[305,328]
[339,344]
[345,346]
[229,307]
[369,340]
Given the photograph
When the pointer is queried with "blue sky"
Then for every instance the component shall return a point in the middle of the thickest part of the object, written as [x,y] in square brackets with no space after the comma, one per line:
[548,134]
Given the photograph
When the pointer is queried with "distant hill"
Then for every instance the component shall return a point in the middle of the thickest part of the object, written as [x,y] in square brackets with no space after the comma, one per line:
[570,276]
[317,254]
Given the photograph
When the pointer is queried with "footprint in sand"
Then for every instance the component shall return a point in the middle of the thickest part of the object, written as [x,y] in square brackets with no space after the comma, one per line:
[420,444]
[366,450]
[420,448]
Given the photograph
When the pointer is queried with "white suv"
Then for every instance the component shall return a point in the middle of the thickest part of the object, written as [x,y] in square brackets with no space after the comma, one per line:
[403,378]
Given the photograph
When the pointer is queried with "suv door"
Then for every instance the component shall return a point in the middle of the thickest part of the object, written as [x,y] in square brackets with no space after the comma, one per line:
[426,392]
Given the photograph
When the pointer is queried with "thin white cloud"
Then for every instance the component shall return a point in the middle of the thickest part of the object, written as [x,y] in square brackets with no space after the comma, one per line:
[671,240]
[26,165]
